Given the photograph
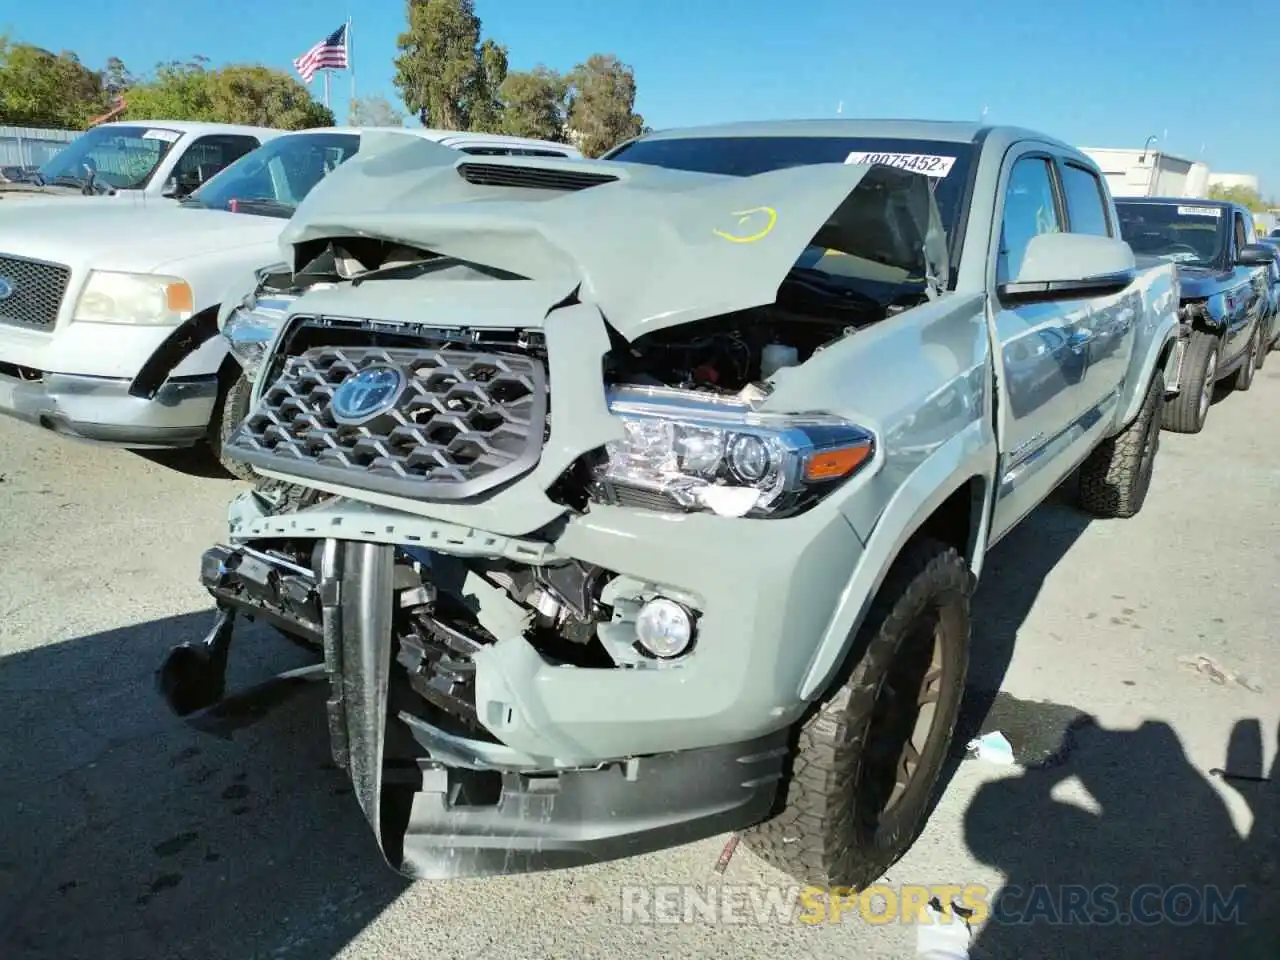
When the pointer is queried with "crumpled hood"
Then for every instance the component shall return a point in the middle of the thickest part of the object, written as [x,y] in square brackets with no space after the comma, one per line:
[651,247]
[124,236]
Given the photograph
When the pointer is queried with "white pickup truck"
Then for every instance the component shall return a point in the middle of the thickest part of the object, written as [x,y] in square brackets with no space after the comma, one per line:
[139,161]
[108,312]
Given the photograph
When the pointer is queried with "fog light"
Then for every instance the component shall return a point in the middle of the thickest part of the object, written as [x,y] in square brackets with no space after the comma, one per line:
[664,628]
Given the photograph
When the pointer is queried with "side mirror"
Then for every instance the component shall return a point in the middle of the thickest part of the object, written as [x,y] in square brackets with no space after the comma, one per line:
[1255,255]
[171,189]
[1065,266]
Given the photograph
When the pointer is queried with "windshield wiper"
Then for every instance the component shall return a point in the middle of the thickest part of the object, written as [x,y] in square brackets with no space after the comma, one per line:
[265,205]
[820,282]
[190,201]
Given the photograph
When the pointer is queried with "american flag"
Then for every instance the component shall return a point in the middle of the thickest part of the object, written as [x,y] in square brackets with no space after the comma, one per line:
[329,54]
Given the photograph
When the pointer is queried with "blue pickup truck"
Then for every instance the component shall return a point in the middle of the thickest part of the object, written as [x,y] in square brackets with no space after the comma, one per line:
[1226,300]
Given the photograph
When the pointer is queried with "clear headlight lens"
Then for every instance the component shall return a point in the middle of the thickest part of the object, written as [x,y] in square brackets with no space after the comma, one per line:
[705,452]
[137,299]
[249,330]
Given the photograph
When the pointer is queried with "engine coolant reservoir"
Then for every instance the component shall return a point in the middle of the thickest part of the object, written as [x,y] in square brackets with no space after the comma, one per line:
[775,356]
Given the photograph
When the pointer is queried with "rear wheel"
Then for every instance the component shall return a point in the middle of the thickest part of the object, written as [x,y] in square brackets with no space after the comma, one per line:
[1186,413]
[868,759]
[1115,478]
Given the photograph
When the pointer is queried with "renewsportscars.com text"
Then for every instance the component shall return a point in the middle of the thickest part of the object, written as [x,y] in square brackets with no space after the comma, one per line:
[1057,905]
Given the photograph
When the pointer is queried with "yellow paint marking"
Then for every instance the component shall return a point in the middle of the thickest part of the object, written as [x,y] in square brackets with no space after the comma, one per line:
[745,215]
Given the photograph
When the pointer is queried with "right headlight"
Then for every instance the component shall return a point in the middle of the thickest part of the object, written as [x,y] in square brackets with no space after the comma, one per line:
[706,452]
[251,329]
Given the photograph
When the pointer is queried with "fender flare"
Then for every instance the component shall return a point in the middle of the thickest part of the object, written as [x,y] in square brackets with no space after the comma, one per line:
[971,453]
[1165,336]
[185,339]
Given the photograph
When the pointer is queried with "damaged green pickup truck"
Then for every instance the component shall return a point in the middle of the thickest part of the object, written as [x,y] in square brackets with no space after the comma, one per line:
[633,501]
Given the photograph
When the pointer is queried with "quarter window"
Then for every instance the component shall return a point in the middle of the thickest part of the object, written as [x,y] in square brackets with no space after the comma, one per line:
[1030,209]
[1086,208]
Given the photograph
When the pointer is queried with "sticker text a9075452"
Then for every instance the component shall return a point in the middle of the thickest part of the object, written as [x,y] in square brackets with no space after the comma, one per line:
[924,163]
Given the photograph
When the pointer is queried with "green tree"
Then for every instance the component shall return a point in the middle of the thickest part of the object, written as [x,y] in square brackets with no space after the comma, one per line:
[116,78]
[248,94]
[263,97]
[1239,194]
[601,104]
[39,88]
[178,91]
[534,104]
[486,102]
[374,111]
[439,70]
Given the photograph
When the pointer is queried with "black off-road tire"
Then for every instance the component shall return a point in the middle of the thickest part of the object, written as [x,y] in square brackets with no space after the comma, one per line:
[825,832]
[232,408]
[1185,412]
[1244,376]
[1115,478]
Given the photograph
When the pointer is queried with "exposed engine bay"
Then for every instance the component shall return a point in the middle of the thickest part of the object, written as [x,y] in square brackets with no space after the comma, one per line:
[724,353]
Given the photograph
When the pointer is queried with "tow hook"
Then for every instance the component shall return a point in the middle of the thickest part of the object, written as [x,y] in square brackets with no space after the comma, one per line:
[193,675]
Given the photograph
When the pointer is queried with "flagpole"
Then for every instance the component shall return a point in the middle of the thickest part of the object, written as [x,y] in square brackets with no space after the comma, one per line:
[326,87]
[351,66]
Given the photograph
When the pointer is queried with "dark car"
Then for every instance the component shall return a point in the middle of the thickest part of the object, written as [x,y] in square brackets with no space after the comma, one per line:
[1271,338]
[1226,299]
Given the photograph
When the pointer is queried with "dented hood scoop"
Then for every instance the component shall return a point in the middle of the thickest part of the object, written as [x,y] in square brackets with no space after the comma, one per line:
[651,247]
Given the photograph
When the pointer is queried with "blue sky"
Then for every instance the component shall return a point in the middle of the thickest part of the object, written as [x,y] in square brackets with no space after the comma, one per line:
[1089,72]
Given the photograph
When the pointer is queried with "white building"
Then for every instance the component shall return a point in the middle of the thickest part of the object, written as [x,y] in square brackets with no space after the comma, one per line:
[1149,173]
[1248,180]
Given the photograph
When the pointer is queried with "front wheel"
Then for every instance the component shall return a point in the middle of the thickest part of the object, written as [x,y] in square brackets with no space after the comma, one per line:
[1115,478]
[869,758]
[1187,412]
[232,408]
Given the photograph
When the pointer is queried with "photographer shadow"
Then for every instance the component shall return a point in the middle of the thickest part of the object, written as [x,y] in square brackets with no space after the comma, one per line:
[129,833]
[1149,864]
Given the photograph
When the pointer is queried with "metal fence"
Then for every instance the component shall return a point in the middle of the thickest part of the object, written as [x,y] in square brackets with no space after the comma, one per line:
[22,146]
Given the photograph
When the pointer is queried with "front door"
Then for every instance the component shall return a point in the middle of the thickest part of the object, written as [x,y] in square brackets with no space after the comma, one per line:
[1043,355]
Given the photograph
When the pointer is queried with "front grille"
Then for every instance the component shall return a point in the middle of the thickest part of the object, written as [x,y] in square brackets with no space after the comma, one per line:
[464,423]
[31,292]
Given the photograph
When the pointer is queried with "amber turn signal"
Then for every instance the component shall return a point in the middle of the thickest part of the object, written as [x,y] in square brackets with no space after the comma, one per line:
[834,464]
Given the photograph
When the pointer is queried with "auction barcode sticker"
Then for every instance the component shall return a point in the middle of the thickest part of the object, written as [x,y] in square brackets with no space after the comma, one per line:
[1199,211]
[168,136]
[924,163]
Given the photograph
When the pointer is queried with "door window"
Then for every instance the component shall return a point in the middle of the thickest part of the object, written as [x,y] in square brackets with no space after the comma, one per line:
[213,153]
[1240,235]
[1086,209]
[1030,209]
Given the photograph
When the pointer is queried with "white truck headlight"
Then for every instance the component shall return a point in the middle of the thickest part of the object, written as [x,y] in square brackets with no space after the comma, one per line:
[718,454]
[134,299]
[250,329]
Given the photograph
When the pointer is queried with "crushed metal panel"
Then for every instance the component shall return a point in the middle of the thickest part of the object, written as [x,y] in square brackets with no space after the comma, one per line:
[655,247]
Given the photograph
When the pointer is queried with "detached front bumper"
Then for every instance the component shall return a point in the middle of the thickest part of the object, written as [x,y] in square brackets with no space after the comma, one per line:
[455,806]
[102,409]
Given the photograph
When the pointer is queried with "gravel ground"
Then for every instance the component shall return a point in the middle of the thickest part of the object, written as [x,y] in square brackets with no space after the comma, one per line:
[126,833]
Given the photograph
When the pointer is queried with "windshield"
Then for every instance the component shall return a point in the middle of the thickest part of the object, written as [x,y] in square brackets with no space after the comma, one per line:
[947,164]
[1182,233]
[272,180]
[123,158]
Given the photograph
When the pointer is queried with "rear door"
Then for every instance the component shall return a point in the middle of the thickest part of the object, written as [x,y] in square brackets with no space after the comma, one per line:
[1043,349]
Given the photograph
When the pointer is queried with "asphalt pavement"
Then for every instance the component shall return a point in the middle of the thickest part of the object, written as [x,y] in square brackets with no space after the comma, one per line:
[1123,660]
